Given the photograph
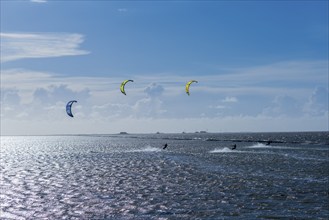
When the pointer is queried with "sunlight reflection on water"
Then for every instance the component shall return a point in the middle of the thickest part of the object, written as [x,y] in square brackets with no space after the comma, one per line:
[113,177]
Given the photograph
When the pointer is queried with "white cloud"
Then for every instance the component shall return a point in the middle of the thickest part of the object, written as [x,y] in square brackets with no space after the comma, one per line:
[221,107]
[80,125]
[230,99]
[10,97]
[39,1]
[15,46]
[159,102]
[148,107]
[284,106]
[318,103]
[276,75]
[154,90]
[122,10]
[47,102]
[295,81]
[55,93]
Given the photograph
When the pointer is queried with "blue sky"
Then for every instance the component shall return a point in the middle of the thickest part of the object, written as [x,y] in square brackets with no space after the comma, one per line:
[261,66]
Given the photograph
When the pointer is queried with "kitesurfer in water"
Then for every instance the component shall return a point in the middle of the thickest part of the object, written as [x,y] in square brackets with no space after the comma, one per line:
[234,147]
[268,142]
[165,146]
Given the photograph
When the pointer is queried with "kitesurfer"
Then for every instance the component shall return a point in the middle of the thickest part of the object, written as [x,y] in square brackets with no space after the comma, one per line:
[165,146]
[234,147]
[268,142]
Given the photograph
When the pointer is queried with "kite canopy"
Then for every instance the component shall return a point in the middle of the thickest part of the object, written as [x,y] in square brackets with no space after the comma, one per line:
[187,87]
[122,87]
[69,106]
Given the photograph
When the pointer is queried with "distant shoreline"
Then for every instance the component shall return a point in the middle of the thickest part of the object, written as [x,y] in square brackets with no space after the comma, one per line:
[164,133]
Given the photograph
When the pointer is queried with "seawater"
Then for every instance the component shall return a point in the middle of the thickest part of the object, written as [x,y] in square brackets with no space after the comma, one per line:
[197,176]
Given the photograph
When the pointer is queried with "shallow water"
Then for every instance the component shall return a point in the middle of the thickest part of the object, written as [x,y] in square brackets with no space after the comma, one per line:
[197,176]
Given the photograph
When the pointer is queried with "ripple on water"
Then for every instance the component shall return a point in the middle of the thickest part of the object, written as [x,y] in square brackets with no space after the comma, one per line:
[55,179]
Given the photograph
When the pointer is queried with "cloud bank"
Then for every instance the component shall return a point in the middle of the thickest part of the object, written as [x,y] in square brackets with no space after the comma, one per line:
[223,102]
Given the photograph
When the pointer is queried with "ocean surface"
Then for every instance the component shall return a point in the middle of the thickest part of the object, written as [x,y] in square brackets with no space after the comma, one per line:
[197,176]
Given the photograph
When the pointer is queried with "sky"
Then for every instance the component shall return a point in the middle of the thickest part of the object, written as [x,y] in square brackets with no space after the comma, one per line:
[261,66]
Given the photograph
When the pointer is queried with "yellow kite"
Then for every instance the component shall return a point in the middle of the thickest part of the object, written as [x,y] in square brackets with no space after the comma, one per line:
[187,87]
[122,87]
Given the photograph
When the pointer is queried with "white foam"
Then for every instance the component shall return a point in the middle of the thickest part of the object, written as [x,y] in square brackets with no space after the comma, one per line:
[228,150]
[259,145]
[222,150]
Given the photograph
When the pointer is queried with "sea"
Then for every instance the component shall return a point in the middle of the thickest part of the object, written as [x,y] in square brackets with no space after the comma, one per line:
[198,176]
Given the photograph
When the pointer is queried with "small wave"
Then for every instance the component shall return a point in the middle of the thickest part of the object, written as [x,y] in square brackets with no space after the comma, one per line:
[259,145]
[147,149]
[222,150]
[228,150]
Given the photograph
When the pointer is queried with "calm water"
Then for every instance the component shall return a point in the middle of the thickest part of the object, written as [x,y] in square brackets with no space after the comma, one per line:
[198,176]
